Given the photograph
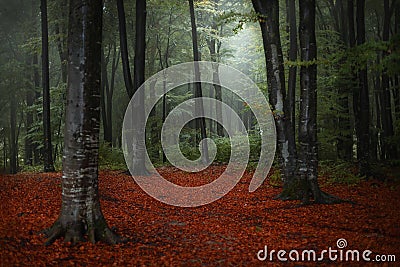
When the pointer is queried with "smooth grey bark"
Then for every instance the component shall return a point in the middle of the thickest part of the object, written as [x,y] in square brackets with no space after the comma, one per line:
[268,16]
[80,213]
[47,149]
[198,91]
[138,142]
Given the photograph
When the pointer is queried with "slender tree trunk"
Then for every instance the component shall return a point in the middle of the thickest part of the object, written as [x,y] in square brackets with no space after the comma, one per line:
[291,98]
[292,57]
[213,45]
[107,90]
[13,133]
[139,146]
[28,159]
[124,48]
[81,214]
[198,91]
[344,145]
[30,100]
[363,99]
[387,119]
[103,95]
[36,84]
[5,152]
[268,16]
[48,150]
[396,91]
[61,33]
[110,93]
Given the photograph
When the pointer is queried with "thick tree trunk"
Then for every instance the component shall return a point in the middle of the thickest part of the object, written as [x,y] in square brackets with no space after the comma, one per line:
[308,150]
[81,214]
[198,90]
[268,12]
[362,100]
[47,150]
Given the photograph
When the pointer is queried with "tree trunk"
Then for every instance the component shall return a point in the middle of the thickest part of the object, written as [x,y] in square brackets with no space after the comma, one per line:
[48,150]
[345,139]
[107,91]
[198,91]
[103,95]
[36,84]
[386,103]
[80,211]
[308,151]
[292,57]
[268,15]
[213,45]
[61,33]
[13,133]
[28,159]
[124,48]
[363,100]
[139,146]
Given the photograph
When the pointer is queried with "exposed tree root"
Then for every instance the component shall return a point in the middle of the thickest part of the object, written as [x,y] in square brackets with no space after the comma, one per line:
[297,192]
[325,198]
[76,232]
[289,192]
[287,195]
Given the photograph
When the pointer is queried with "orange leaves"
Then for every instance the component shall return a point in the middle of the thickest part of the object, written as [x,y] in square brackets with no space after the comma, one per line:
[227,232]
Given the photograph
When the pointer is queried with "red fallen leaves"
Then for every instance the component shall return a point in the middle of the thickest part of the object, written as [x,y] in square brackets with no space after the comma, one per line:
[228,232]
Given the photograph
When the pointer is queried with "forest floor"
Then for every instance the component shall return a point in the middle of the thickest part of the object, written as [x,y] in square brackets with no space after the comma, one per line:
[228,232]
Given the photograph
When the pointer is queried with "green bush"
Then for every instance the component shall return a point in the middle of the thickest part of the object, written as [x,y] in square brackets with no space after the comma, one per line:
[339,172]
[111,158]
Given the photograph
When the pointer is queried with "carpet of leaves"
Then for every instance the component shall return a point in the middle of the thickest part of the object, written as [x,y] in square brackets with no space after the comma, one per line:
[228,232]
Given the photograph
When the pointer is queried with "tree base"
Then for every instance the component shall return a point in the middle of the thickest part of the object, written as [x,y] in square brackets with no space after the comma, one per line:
[307,191]
[76,232]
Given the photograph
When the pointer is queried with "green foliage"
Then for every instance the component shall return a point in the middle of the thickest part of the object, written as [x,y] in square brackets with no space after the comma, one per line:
[111,158]
[275,179]
[339,172]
